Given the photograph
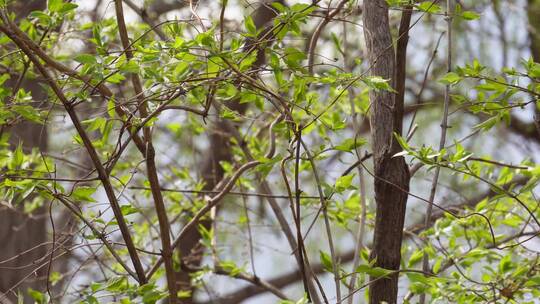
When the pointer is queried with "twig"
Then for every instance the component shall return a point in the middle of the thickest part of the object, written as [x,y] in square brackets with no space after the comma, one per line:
[297,216]
[255,281]
[317,33]
[335,262]
[444,127]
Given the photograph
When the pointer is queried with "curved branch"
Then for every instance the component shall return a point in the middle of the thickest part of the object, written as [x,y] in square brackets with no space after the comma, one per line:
[317,33]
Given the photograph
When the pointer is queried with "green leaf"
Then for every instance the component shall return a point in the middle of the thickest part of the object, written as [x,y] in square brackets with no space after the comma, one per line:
[206,38]
[506,264]
[181,70]
[66,7]
[294,57]
[415,277]
[128,209]
[248,61]
[116,78]
[349,144]
[54,6]
[28,112]
[416,257]
[250,26]
[95,286]
[183,294]
[111,106]
[18,157]
[376,272]
[450,78]
[419,283]
[534,70]
[402,142]
[43,17]
[230,267]
[55,277]
[153,296]
[437,265]
[228,91]
[344,182]
[429,7]
[129,67]
[97,123]
[534,281]
[377,83]
[86,58]
[488,123]
[91,300]
[84,194]
[38,297]
[117,284]
[227,114]
[279,7]
[326,260]
[469,15]
[214,66]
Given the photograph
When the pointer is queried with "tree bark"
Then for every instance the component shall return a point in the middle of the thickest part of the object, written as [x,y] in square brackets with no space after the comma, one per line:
[391,173]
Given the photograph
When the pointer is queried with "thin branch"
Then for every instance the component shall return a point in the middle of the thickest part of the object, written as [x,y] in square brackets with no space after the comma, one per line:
[316,34]
[151,169]
[253,280]
[335,262]
[297,216]
[442,142]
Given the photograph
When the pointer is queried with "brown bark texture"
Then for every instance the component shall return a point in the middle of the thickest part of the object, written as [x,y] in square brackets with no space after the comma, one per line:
[391,173]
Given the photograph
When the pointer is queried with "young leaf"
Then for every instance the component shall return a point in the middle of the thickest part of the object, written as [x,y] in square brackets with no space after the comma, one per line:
[450,78]
[344,182]
[250,26]
[376,272]
[326,261]
[84,194]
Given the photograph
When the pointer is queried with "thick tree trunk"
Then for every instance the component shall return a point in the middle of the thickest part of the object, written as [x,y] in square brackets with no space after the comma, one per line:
[391,173]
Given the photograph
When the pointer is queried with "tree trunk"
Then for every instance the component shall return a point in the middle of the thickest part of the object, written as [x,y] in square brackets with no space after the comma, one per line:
[391,173]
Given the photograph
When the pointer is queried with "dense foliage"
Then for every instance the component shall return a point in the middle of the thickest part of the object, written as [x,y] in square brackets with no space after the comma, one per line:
[167,150]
